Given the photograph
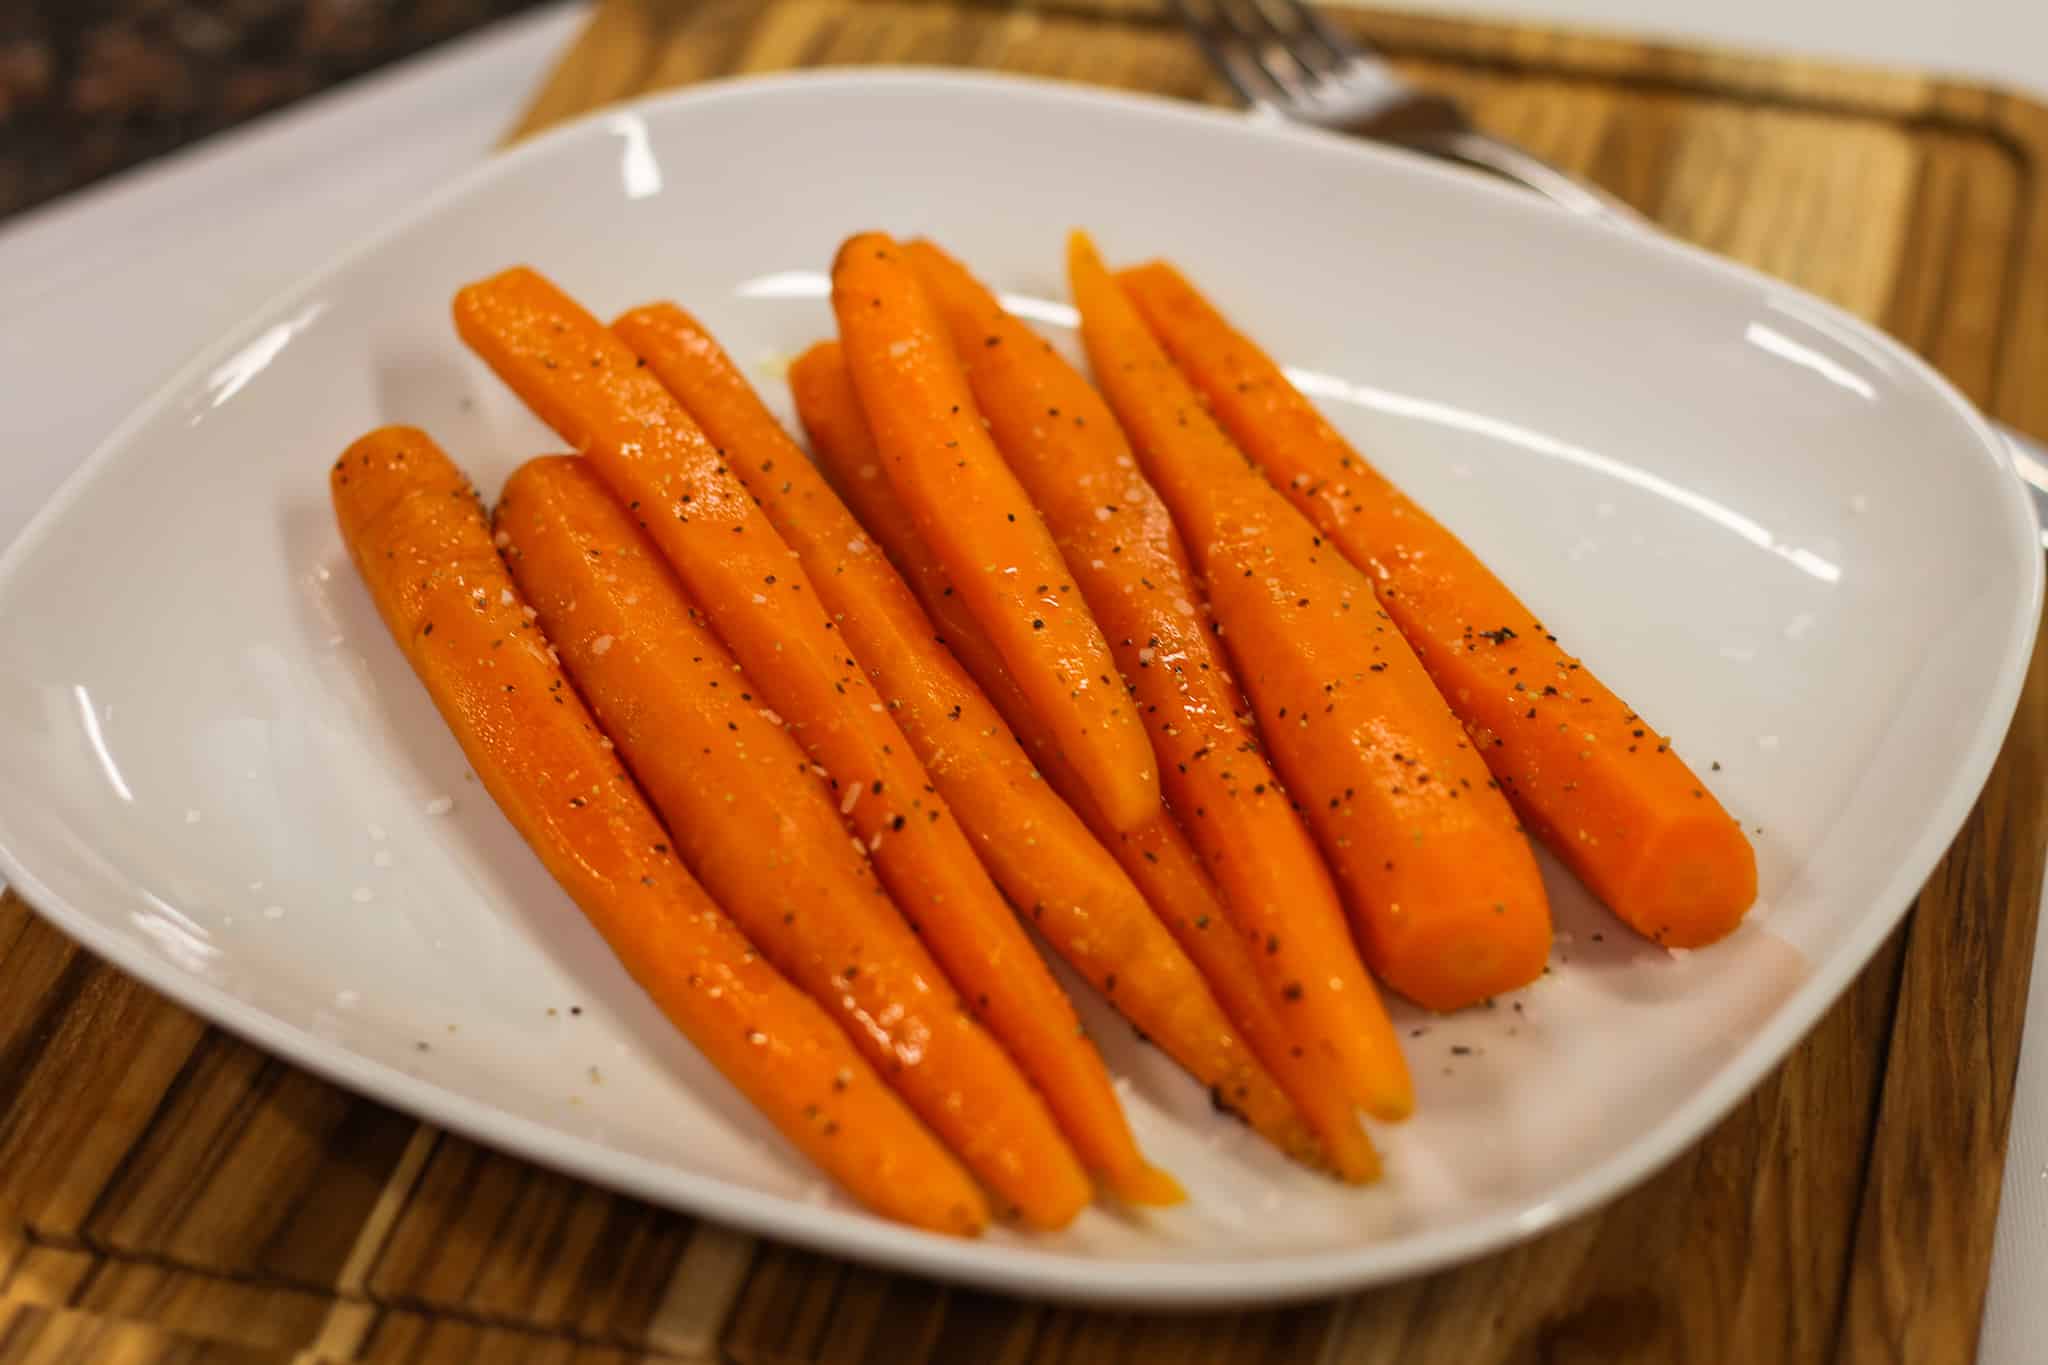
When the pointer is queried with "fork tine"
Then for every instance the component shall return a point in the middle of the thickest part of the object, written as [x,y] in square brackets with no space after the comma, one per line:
[1292,25]
[1223,42]
[1340,47]
[1263,40]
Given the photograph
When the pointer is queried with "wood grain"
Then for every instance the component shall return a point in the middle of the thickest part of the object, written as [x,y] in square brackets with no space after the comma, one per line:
[169,1194]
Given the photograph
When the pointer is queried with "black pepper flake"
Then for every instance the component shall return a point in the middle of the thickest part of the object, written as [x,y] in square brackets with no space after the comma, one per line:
[1292,990]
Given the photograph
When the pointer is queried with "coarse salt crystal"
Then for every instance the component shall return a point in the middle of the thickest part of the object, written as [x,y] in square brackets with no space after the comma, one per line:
[381,858]
[848,801]
[1102,514]
[504,597]
[361,895]
[346,998]
[856,546]
[440,805]
[191,817]
[600,644]
[273,912]
[759,598]
[770,716]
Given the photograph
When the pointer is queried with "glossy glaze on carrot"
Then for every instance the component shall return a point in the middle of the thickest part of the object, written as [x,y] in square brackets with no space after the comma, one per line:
[417,534]
[1130,565]
[1442,888]
[1045,860]
[1155,856]
[936,454]
[587,384]
[1602,787]
[757,827]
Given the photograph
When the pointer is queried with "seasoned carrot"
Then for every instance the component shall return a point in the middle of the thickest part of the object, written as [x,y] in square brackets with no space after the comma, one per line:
[1442,888]
[741,801]
[417,534]
[1037,848]
[967,506]
[1590,776]
[1065,447]
[1156,856]
[587,384]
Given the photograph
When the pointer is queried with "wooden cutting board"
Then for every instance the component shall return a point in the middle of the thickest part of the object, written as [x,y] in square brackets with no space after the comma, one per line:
[168,1193]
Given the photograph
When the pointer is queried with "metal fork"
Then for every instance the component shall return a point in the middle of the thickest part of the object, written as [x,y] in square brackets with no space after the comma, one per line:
[1287,63]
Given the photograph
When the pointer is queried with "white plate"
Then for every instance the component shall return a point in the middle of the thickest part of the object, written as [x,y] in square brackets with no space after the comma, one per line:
[1778,532]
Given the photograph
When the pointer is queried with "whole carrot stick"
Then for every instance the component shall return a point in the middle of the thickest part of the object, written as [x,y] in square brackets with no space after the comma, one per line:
[1037,848]
[589,386]
[417,535]
[1155,855]
[1596,783]
[755,825]
[1132,569]
[967,506]
[1442,888]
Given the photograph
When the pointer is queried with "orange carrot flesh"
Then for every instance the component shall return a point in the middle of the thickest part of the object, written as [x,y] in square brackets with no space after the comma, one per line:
[1133,571]
[1040,853]
[753,823]
[418,536]
[1442,888]
[968,507]
[1592,779]
[1155,856]
[587,384]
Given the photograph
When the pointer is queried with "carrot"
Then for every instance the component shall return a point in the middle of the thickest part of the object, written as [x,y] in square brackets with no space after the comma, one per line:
[1066,449]
[967,506]
[1590,776]
[589,386]
[1443,890]
[1155,856]
[1037,848]
[417,534]
[740,799]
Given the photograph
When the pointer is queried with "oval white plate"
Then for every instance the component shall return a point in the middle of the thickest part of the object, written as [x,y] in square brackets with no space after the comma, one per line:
[1780,534]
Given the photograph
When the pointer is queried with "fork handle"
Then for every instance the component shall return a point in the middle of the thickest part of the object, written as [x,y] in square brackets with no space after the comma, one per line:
[1477,150]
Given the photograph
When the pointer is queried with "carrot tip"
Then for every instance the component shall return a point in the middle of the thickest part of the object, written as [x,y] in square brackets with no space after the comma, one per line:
[1147,1185]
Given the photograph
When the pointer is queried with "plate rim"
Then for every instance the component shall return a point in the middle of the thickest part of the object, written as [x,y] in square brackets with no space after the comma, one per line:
[1040,1272]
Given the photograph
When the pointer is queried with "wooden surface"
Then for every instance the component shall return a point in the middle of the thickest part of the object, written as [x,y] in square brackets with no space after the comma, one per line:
[170,1194]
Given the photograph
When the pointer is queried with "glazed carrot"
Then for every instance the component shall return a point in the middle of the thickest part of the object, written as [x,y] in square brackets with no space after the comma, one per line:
[1590,776]
[967,506]
[1037,848]
[754,824]
[1155,856]
[589,386]
[1065,447]
[1443,890]
[417,534]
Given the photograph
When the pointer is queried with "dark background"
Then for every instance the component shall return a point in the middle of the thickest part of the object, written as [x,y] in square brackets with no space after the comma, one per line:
[88,87]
